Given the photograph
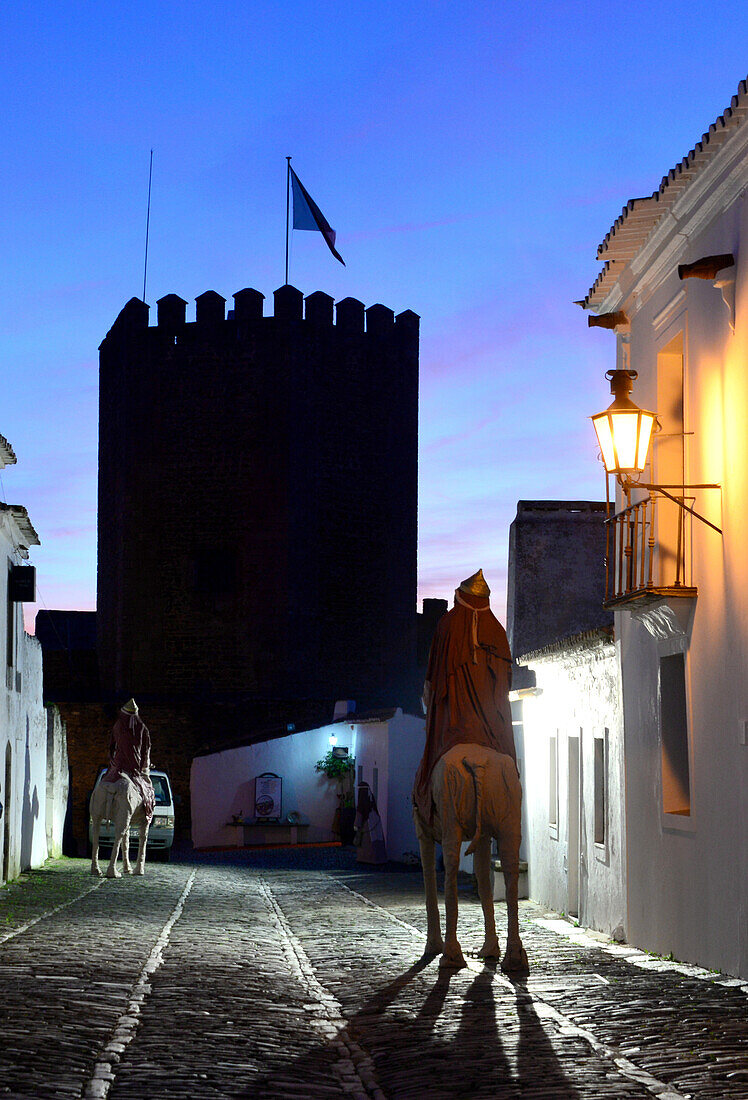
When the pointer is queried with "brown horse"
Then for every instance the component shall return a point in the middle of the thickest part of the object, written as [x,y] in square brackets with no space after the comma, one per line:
[476,795]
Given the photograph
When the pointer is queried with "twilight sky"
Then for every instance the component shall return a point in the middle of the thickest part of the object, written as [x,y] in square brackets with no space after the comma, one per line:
[470,155]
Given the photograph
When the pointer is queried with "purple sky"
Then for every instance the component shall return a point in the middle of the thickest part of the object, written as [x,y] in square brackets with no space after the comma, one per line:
[470,156]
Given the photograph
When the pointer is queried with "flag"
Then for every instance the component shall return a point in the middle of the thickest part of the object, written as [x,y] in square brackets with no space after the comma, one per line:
[307,215]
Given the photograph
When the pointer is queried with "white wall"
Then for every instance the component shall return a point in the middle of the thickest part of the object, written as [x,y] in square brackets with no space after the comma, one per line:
[394,748]
[23,729]
[580,699]
[407,737]
[57,780]
[688,876]
[222,784]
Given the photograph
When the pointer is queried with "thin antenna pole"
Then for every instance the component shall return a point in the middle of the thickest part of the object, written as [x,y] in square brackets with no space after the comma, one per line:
[147,224]
[288,210]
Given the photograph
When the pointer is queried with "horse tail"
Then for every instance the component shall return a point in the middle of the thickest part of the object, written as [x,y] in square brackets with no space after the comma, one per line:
[109,806]
[476,770]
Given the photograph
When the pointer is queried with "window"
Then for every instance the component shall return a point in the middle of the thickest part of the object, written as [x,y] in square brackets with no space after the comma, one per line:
[553,782]
[676,781]
[601,788]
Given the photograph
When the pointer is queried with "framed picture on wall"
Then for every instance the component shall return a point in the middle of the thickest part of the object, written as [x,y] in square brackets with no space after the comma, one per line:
[268,796]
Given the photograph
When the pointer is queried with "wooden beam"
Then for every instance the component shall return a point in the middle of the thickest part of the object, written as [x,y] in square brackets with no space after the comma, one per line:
[607,320]
[707,267]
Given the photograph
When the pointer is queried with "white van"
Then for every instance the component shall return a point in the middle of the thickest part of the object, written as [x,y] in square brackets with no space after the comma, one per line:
[161,832]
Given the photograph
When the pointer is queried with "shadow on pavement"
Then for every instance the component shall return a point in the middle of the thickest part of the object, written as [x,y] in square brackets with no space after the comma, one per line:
[448,1043]
[459,1035]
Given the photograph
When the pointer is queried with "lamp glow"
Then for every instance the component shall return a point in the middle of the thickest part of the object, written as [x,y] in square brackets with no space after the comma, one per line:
[624,431]
[332,740]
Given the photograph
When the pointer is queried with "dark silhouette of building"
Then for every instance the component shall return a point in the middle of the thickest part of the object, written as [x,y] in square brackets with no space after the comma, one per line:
[68,641]
[257,510]
[556,583]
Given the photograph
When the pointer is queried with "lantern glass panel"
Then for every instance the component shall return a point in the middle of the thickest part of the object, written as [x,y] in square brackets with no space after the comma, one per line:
[605,439]
[625,426]
[645,435]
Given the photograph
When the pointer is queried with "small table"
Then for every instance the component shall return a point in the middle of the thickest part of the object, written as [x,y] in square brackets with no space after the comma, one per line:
[268,832]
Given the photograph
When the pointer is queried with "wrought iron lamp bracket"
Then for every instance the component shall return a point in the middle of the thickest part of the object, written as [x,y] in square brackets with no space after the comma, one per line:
[627,484]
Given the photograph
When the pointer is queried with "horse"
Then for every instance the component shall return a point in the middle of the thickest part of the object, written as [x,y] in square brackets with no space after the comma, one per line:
[476,795]
[122,803]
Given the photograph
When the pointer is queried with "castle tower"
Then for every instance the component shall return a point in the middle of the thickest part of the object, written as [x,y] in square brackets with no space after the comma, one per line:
[257,505]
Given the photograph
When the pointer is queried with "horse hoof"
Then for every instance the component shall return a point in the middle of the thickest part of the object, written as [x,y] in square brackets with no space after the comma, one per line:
[96,871]
[453,961]
[490,950]
[434,947]
[113,874]
[138,871]
[515,962]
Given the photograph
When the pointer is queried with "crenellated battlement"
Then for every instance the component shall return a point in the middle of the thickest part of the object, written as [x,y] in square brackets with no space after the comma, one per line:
[258,501]
[348,316]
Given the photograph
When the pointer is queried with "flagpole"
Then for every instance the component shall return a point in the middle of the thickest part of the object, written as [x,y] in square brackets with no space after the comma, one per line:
[147,223]
[288,210]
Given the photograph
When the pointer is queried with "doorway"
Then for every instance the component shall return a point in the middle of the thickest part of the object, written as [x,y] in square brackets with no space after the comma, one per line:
[7,811]
[572,846]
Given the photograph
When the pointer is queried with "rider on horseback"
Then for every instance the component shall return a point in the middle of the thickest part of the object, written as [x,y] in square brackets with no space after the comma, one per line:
[130,754]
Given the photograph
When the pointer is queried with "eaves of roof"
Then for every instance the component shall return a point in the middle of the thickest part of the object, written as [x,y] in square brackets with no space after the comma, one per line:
[639,217]
[23,523]
[361,718]
[584,641]
[7,454]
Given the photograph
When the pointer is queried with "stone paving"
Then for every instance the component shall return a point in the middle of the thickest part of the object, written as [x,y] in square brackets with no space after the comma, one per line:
[296,973]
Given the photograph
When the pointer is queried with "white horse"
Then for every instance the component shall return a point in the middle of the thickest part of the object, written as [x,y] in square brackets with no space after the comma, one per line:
[122,804]
[477,795]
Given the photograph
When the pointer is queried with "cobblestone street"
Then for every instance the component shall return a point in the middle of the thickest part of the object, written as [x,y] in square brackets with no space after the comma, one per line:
[298,974]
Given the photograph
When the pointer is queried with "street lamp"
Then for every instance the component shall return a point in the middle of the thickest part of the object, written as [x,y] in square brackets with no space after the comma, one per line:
[624,430]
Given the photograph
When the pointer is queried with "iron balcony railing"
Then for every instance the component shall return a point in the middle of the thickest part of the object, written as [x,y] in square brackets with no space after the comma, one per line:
[645,556]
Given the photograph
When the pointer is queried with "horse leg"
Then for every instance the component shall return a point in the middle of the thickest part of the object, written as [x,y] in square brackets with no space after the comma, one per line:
[434,941]
[95,868]
[112,871]
[482,868]
[515,958]
[452,956]
[121,822]
[126,868]
[142,841]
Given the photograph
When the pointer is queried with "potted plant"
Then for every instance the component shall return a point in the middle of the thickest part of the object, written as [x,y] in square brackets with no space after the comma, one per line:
[341,770]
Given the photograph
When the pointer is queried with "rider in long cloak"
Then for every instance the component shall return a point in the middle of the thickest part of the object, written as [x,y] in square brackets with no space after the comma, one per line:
[130,754]
[467,685]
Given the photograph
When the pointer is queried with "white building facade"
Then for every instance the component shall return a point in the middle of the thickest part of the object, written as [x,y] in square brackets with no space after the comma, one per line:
[387,749]
[675,291]
[574,781]
[33,797]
